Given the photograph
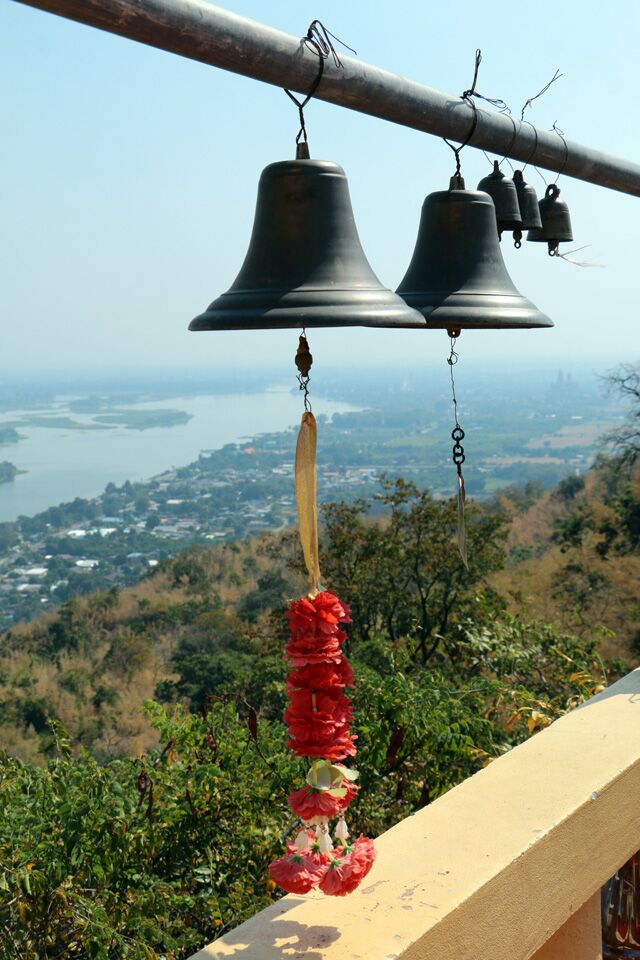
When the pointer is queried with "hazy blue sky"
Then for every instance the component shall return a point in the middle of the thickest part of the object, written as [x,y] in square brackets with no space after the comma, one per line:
[129,180]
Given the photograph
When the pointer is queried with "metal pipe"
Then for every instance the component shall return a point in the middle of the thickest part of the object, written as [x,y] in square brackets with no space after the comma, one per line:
[212,35]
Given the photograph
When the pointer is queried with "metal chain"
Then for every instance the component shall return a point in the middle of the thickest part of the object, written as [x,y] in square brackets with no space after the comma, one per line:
[457,434]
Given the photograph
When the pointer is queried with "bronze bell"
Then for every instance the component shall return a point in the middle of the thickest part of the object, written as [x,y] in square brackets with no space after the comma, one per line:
[528,203]
[305,266]
[457,277]
[556,222]
[502,191]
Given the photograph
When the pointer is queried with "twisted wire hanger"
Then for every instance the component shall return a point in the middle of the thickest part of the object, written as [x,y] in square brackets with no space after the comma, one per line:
[318,39]
[470,95]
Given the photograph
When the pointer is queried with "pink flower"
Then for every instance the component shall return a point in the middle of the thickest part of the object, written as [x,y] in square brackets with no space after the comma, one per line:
[308,803]
[297,873]
[364,852]
[347,870]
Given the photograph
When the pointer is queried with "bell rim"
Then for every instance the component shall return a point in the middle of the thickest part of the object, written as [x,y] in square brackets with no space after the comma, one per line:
[464,311]
[547,238]
[283,320]
[509,224]
[358,307]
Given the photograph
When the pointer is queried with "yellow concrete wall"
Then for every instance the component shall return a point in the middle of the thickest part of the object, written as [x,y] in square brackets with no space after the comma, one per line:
[493,869]
[580,938]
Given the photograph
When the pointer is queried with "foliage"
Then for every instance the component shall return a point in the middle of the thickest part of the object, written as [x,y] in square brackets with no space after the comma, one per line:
[141,857]
[153,844]
[157,855]
[625,440]
[402,577]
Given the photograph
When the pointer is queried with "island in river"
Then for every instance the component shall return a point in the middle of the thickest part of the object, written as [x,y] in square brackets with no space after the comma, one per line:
[8,471]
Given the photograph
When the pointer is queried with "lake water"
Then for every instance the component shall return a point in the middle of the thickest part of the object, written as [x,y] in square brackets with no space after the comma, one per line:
[63,463]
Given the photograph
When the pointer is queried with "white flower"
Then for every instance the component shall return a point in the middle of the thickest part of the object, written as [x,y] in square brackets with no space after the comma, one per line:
[341,831]
[302,841]
[324,842]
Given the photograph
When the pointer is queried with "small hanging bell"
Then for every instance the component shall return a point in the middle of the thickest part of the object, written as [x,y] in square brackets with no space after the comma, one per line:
[305,266]
[457,277]
[556,222]
[502,191]
[529,210]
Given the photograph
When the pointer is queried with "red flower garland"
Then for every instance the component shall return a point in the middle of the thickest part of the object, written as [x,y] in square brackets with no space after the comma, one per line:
[318,718]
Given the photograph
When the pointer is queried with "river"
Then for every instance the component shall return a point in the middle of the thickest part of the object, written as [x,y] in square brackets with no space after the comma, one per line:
[62,463]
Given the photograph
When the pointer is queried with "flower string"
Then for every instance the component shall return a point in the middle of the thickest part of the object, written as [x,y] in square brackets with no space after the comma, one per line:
[318,718]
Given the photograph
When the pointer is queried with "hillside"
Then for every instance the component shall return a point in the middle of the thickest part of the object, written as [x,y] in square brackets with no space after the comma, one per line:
[199,622]
[98,658]
[574,558]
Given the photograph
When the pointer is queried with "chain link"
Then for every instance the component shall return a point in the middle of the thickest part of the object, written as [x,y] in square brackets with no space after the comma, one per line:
[457,434]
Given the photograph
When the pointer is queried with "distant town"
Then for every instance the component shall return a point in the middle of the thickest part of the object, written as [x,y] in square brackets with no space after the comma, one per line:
[513,437]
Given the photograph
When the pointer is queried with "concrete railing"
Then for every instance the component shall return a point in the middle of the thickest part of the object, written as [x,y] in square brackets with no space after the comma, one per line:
[506,866]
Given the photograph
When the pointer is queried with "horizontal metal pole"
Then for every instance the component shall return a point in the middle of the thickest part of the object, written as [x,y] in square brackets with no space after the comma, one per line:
[201,31]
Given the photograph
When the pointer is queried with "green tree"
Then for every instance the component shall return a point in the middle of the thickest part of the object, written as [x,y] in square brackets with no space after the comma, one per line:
[403,576]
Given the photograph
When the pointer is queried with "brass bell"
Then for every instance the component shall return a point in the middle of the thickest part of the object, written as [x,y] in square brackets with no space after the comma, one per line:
[457,277]
[528,203]
[305,266]
[502,191]
[556,222]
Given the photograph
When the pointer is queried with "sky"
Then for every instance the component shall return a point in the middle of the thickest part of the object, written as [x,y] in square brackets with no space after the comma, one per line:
[129,180]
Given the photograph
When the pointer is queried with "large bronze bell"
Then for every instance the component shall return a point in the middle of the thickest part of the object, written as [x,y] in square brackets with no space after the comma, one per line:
[502,191]
[556,222]
[528,203]
[305,266]
[457,277]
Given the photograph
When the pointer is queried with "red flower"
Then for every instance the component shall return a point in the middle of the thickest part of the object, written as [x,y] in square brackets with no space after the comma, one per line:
[297,873]
[321,614]
[309,706]
[320,860]
[351,789]
[318,721]
[340,746]
[311,648]
[364,852]
[346,872]
[308,803]
[318,676]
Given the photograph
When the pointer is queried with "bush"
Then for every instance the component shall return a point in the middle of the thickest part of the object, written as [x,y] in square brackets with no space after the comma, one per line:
[155,856]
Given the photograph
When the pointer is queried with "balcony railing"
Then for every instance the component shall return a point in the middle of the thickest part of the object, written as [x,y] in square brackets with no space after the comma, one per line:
[506,866]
